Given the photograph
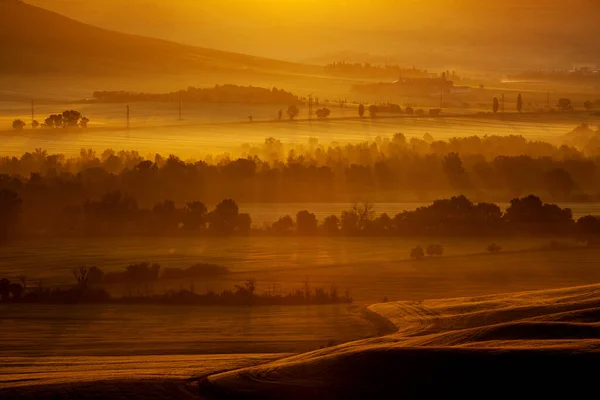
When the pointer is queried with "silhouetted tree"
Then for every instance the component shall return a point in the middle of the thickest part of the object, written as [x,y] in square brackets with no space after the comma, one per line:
[244,224]
[361,110]
[10,211]
[18,124]
[588,105]
[323,113]
[35,124]
[565,104]
[559,183]
[495,105]
[588,229]
[195,216]
[224,218]
[306,223]
[519,103]
[409,110]
[81,275]
[373,110]
[331,225]
[417,253]
[435,250]
[293,111]
[283,225]
[95,276]
[349,223]
[493,248]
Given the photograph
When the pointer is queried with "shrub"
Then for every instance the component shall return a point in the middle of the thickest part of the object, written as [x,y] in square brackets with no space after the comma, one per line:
[18,124]
[493,248]
[417,253]
[435,250]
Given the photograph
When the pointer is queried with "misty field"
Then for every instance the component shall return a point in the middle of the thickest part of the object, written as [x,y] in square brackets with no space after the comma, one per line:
[370,268]
[126,330]
[213,128]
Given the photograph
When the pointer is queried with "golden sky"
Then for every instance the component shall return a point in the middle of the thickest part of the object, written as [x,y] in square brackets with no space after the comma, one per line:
[300,29]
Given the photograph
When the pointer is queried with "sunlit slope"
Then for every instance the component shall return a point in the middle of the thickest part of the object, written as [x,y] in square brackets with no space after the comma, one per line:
[544,343]
[35,40]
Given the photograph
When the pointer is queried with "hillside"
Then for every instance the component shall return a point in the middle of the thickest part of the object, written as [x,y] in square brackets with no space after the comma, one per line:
[38,41]
[534,343]
[539,344]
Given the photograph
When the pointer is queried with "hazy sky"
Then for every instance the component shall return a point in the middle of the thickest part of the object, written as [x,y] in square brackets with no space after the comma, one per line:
[302,29]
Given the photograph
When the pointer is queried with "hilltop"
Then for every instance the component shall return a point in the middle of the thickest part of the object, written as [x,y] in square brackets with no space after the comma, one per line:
[38,41]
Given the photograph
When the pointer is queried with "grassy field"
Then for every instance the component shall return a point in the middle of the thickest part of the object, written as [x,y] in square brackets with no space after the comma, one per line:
[369,267]
[217,129]
[124,330]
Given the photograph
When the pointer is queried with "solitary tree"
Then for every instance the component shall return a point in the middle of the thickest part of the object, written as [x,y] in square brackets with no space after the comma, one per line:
[519,103]
[496,105]
[18,124]
[323,113]
[373,110]
[292,112]
[565,104]
[493,248]
[588,105]
[361,110]
[435,250]
[35,124]
[417,253]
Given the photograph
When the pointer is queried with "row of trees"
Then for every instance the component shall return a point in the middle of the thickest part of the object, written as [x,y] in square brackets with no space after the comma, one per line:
[116,214]
[67,119]
[89,289]
[216,94]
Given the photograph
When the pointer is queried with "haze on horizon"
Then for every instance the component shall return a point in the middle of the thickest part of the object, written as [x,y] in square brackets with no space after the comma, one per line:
[431,34]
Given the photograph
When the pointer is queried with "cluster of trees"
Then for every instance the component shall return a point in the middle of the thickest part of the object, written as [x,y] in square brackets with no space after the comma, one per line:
[491,168]
[67,119]
[88,291]
[217,94]
[146,272]
[433,250]
[117,214]
[378,71]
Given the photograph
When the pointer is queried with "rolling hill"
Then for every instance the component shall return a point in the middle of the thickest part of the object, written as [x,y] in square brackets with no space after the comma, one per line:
[38,41]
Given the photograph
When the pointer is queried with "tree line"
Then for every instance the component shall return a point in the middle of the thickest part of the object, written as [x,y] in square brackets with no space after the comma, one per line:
[217,94]
[491,168]
[117,214]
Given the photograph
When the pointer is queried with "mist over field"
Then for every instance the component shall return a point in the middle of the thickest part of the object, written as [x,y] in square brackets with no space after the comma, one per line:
[299,199]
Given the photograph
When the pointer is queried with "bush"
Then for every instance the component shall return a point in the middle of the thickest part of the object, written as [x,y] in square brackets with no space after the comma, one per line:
[417,253]
[18,124]
[493,248]
[435,250]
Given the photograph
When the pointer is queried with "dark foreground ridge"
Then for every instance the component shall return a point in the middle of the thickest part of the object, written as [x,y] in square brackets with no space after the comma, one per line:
[542,344]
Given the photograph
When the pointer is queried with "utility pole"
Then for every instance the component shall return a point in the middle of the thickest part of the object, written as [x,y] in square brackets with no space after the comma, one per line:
[32,111]
[127,116]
